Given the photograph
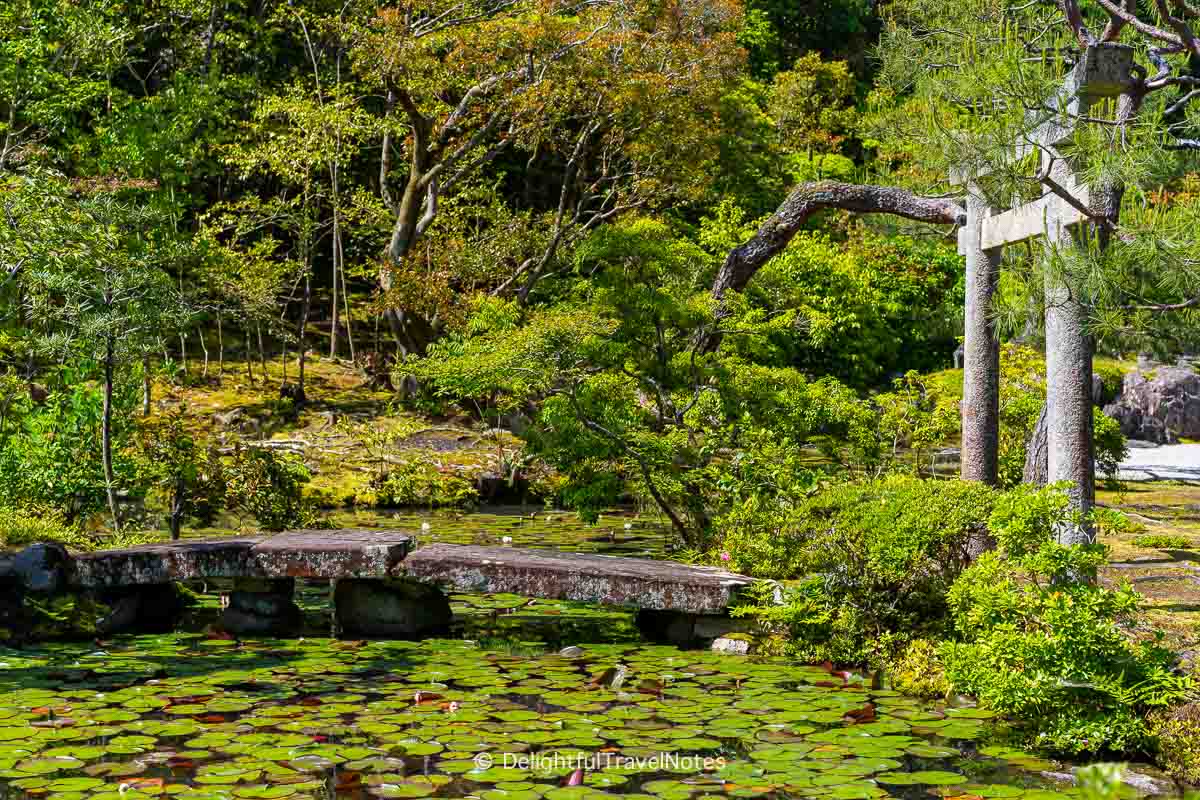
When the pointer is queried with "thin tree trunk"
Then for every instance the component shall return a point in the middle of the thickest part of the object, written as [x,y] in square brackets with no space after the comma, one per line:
[249,356]
[346,300]
[106,431]
[183,358]
[220,351]
[262,352]
[146,387]
[176,518]
[981,354]
[337,264]
[204,348]
[306,304]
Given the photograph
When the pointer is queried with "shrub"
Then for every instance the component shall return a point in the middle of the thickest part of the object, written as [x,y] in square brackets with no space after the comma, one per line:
[873,557]
[1177,733]
[1162,541]
[52,458]
[1022,396]
[1040,640]
[918,671]
[269,487]
[422,484]
[1112,379]
[1111,522]
[188,478]
[25,526]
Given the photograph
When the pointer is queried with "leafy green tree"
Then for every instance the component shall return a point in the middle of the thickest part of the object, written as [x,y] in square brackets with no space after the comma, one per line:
[56,61]
[191,480]
[614,96]
[626,400]
[93,283]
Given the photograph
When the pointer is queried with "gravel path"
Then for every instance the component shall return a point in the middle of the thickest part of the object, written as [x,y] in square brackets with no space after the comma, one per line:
[1172,462]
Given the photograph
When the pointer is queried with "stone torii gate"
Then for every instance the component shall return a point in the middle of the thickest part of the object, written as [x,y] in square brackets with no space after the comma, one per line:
[1102,71]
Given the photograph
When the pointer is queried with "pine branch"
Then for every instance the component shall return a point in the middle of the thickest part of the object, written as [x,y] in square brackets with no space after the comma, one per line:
[809,198]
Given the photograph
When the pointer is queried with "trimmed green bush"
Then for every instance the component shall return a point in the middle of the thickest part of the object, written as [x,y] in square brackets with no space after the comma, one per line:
[1037,638]
[872,558]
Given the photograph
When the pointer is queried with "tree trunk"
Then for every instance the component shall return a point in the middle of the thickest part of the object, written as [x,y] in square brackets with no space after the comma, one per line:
[337,267]
[262,352]
[346,301]
[204,349]
[1069,397]
[1036,456]
[1070,441]
[183,359]
[146,386]
[106,431]
[249,357]
[414,213]
[175,520]
[220,351]
[305,305]
[981,354]
[807,199]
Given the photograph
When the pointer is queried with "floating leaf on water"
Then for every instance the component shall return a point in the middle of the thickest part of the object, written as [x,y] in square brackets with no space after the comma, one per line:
[931,777]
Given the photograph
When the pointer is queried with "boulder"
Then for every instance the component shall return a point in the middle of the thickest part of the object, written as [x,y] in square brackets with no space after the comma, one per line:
[685,630]
[734,645]
[259,606]
[1159,405]
[390,608]
[40,568]
[145,609]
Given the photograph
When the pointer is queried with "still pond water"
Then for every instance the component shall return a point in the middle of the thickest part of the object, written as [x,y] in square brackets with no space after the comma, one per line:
[495,713]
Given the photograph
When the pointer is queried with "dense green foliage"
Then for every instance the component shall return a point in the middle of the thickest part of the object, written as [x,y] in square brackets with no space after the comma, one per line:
[874,561]
[880,571]
[518,216]
[1036,636]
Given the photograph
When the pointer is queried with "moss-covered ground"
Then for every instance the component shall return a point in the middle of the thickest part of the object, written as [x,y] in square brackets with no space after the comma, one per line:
[348,432]
[1160,556]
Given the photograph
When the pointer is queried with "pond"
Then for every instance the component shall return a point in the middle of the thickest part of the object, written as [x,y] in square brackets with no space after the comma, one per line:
[194,717]
[496,712]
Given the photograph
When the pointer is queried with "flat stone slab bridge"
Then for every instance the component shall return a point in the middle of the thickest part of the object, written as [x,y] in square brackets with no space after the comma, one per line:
[385,584]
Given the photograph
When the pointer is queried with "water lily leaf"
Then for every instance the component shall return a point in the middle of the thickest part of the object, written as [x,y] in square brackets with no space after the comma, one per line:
[924,777]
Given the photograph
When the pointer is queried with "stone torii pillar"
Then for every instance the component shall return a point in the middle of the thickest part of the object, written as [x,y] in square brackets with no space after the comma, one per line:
[1102,71]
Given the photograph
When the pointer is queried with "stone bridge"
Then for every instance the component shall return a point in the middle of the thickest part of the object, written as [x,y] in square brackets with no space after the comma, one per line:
[384,584]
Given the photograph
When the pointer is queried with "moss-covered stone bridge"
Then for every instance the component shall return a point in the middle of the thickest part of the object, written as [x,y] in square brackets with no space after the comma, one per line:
[384,584]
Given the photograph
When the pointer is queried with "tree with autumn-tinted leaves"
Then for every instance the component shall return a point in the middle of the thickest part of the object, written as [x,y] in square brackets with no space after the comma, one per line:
[615,100]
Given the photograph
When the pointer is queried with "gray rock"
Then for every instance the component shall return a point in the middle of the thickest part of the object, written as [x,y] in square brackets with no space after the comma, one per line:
[725,644]
[571,652]
[390,608]
[1147,784]
[41,567]
[672,627]
[1159,405]
[245,623]
[715,626]
[263,598]
[262,607]
[1141,782]
[150,609]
